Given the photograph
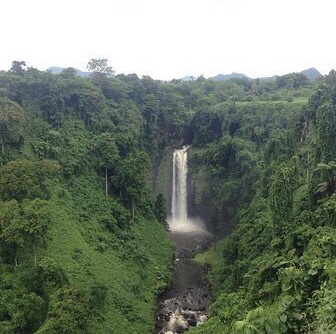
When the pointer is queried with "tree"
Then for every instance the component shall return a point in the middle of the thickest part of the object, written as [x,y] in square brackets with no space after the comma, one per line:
[18,67]
[86,101]
[291,81]
[327,186]
[206,126]
[281,198]
[257,88]
[69,73]
[100,73]
[11,235]
[131,177]
[22,179]
[23,225]
[160,210]
[100,66]
[17,180]
[36,218]
[150,110]
[68,312]
[107,152]
[21,310]
[11,116]
[326,130]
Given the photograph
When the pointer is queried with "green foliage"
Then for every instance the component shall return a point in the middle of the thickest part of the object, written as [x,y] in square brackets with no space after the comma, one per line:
[131,177]
[106,150]
[51,275]
[328,186]
[101,257]
[68,312]
[11,116]
[281,198]
[20,309]
[23,226]
[11,233]
[276,272]
[72,261]
[160,210]
[100,66]
[207,126]
[21,179]
[18,67]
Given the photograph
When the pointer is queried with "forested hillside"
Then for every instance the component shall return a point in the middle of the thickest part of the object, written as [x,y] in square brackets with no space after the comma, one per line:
[276,272]
[83,247]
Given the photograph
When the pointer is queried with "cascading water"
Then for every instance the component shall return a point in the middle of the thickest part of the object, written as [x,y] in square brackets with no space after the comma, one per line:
[179,220]
[185,303]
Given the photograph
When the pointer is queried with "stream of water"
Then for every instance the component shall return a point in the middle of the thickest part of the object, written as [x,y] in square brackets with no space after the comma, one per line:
[179,220]
[185,303]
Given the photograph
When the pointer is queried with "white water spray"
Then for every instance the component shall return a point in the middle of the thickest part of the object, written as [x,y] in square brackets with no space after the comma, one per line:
[179,210]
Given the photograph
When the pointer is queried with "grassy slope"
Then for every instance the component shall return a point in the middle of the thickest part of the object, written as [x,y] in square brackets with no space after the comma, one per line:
[133,269]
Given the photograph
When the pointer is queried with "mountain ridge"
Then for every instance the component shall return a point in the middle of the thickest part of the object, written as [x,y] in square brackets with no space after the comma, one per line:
[59,70]
[311,73]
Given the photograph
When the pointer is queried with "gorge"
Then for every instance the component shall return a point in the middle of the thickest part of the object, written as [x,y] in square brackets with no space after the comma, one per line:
[185,303]
[84,246]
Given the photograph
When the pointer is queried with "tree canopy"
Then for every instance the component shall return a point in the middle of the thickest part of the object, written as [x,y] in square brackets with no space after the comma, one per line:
[83,246]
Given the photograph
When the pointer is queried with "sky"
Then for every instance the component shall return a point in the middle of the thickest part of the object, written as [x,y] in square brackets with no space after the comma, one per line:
[169,39]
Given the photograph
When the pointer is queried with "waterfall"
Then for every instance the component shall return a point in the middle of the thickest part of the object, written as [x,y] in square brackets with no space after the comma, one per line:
[179,220]
[179,193]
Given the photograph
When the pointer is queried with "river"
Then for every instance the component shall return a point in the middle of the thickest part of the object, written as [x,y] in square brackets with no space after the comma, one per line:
[186,302]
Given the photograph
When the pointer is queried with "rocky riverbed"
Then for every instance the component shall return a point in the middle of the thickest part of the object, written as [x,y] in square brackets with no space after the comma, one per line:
[186,302]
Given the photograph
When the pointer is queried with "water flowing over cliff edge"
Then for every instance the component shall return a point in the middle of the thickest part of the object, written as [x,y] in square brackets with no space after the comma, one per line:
[186,302]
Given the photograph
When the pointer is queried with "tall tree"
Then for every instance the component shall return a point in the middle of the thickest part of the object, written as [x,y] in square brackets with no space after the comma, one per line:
[18,67]
[107,152]
[36,218]
[11,235]
[327,186]
[160,210]
[11,116]
[281,198]
[17,180]
[100,66]
[326,130]
[22,179]
[132,177]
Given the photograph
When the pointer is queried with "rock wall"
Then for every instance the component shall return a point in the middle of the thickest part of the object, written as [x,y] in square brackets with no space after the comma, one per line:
[162,175]
[199,202]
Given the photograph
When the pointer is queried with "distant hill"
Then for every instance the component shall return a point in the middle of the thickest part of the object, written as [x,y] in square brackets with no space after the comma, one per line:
[234,75]
[188,78]
[58,70]
[272,78]
[311,73]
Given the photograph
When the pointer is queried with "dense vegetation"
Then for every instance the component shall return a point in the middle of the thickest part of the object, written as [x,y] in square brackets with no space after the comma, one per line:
[276,272]
[82,237]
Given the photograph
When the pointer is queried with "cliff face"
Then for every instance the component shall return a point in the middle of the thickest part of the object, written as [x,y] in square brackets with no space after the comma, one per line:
[199,200]
[162,174]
